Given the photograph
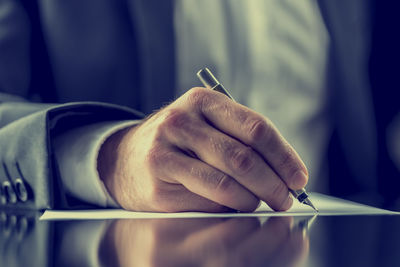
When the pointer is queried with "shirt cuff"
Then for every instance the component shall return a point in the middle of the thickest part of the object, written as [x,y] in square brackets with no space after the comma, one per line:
[76,153]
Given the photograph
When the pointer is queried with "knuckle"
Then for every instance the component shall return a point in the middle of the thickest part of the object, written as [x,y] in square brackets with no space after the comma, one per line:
[278,192]
[155,157]
[175,119]
[287,161]
[199,97]
[258,129]
[182,125]
[223,183]
[242,160]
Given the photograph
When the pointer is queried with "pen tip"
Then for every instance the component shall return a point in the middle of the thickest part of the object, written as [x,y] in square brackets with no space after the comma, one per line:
[309,203]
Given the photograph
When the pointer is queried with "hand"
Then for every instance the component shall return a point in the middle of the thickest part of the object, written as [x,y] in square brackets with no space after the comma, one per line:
[203,152]
[205,242]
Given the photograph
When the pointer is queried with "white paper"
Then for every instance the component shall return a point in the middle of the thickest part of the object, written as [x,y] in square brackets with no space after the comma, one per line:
[326,205]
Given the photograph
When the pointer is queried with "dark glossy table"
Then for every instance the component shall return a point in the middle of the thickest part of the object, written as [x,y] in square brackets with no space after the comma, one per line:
[265,241]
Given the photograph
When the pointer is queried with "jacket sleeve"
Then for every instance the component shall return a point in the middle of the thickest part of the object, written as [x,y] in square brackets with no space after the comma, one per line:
[29,177]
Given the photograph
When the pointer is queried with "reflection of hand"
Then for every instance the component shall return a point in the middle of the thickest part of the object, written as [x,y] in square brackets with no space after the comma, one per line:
[206,242]
[202,152]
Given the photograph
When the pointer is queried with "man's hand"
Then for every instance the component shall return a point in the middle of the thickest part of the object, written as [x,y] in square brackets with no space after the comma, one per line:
[203,152]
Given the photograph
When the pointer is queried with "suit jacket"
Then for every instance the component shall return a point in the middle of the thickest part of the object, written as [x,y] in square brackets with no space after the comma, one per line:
[122,52]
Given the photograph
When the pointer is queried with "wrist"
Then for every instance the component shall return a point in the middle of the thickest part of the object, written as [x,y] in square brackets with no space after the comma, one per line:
[110,159]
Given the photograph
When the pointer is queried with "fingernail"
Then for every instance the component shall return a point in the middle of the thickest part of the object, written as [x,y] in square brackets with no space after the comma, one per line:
[288,203]
[299,180]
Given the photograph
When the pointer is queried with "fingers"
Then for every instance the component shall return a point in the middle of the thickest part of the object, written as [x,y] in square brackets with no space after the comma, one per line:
[180,199]
[203,180]
[254,130]
[235,159]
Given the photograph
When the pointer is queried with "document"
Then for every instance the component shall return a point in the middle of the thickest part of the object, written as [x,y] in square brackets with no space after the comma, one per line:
[326,205]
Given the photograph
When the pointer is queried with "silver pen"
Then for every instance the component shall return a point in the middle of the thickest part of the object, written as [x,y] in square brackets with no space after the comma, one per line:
[210,82]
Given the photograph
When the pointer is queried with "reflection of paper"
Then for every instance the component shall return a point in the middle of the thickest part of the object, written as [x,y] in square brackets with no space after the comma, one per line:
[327,206]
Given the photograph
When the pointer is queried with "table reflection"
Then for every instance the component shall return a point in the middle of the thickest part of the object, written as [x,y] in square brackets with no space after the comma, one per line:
[274,241]
[205,242]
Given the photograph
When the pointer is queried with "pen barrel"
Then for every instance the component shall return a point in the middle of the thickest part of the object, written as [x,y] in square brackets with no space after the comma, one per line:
[300,194]
[209,81]
[220,88]
[207,78]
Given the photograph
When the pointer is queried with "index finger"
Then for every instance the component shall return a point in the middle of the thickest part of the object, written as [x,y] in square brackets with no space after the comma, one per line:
[254,130]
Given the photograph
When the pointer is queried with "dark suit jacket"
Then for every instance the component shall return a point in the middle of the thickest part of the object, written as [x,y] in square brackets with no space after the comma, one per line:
[122,52]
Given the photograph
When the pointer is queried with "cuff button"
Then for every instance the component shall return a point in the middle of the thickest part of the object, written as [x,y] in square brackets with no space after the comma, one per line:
[21,191]
[8,190]
[3,197]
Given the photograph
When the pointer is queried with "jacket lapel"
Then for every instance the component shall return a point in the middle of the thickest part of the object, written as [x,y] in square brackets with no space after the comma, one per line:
[351,107]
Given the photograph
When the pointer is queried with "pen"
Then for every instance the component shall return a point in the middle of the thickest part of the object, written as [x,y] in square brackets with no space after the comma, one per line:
[210,82]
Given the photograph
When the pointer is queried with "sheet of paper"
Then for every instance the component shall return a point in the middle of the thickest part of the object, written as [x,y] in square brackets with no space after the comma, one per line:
[326,205]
